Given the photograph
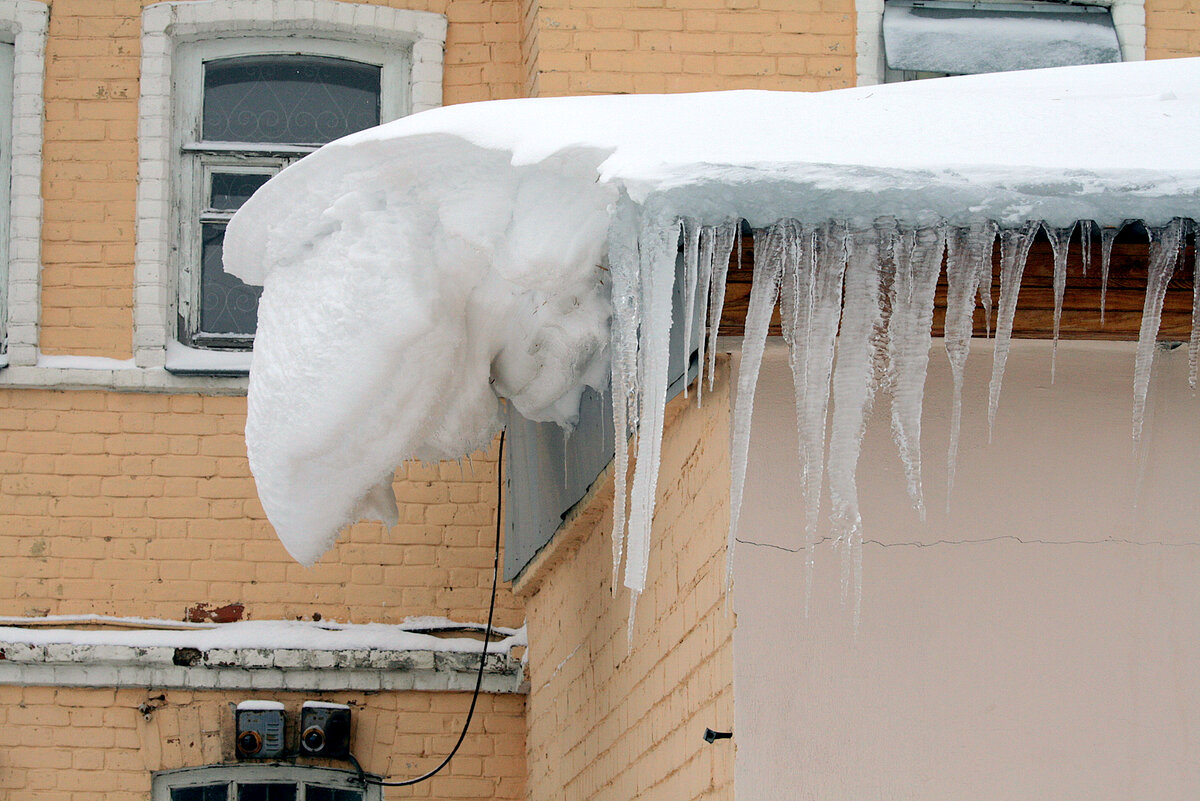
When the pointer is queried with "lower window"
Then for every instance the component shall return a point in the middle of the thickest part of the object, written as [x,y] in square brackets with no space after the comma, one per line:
[261,783]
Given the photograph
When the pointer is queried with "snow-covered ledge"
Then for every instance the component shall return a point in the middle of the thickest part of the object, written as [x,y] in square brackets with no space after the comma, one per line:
[82,665]
[1129,18]
[92,651]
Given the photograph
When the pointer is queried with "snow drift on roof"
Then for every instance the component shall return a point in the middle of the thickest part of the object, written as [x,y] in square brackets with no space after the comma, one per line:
[417,272]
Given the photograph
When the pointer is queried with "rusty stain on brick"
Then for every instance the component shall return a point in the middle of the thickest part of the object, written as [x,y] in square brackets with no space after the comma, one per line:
[202,613]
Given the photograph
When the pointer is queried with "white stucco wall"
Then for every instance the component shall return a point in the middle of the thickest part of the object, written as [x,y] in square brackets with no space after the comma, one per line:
[1040,641]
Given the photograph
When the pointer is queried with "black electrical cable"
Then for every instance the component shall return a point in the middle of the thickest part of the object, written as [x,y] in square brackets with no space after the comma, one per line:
[482,657]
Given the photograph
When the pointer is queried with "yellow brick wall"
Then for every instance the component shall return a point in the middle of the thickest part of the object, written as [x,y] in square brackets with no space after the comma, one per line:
[603,46]
[83,744]
[132,504]
[1172,28]
[89,176]
[605,722]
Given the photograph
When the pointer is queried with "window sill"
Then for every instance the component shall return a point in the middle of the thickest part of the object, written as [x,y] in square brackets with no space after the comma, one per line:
[183,360]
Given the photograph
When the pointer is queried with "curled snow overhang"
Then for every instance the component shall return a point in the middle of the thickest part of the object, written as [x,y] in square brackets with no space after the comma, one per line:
[416,273]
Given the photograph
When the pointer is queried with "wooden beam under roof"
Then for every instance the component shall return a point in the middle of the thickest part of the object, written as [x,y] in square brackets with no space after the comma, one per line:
[1035,308]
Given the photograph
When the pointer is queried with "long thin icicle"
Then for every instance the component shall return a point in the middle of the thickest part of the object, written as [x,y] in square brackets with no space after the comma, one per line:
[657,241]
[1060,245]
[966,250]
[1194,339]
[704,279]
[1108,236]
[985,269]
[811,305]
[726,234]
[853,392]
[1164,254]
[918,265]
[626,301]
[1014,251]
[764,291]
[691,274]
[1085,240]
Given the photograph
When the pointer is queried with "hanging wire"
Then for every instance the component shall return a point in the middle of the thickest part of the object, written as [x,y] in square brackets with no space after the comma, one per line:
[482,657]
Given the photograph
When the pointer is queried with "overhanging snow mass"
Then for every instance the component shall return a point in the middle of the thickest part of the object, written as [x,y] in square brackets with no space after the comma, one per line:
[416,273]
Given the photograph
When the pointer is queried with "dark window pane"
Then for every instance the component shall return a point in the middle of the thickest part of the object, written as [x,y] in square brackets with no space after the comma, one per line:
[231,189]
[314,793]
[227,306]
[204,792]
[288,99]
[266,792]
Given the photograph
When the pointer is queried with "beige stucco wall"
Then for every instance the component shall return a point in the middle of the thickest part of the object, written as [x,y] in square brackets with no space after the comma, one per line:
[1040,641]
[80,744]
[607,721]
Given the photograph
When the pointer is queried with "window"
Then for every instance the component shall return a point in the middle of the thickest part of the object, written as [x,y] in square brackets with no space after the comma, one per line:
[23,26]
[253,782]
[908,39]
[232,91]
[250,117]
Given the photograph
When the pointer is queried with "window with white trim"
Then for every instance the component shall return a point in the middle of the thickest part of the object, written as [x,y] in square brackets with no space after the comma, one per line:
[23,25]
[902,40]
[250,107]
[253,782]
[232,91]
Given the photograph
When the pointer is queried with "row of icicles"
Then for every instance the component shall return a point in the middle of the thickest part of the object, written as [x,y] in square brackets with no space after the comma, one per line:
[865,296]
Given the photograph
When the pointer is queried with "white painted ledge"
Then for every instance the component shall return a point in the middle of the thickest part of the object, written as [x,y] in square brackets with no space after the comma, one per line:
[84,665]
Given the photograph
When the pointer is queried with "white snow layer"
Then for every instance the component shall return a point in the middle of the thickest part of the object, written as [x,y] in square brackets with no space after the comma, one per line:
[279,634]
[416,273]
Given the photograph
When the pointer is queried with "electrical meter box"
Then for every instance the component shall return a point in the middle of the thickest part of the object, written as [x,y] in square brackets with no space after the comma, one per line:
[324,729]
[260,729]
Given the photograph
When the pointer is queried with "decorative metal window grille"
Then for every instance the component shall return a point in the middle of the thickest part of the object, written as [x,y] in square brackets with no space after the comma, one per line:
[261,783]
[258,114]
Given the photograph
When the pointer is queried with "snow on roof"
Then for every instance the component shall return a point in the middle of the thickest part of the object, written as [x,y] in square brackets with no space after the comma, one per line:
[417,272]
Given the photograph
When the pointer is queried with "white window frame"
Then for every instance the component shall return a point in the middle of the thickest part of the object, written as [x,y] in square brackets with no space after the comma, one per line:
[1129,19]
[195,160]
[176,37]
[164,781]
[23,25]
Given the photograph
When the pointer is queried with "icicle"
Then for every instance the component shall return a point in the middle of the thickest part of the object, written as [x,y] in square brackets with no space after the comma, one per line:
[769,255]
[918,265]
[1164,254]
[707,235]
[985,270]
[691,271]
[1107,237]
[966,250]
[657,245]
[1085,238]
[810,305]
[1014,250]
[623,264]
[1194,340]
[722,249]
[1060,244]
[853,391]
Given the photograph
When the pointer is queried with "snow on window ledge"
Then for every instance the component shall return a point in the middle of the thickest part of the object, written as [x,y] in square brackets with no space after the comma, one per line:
[1129,18]
[182,360]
